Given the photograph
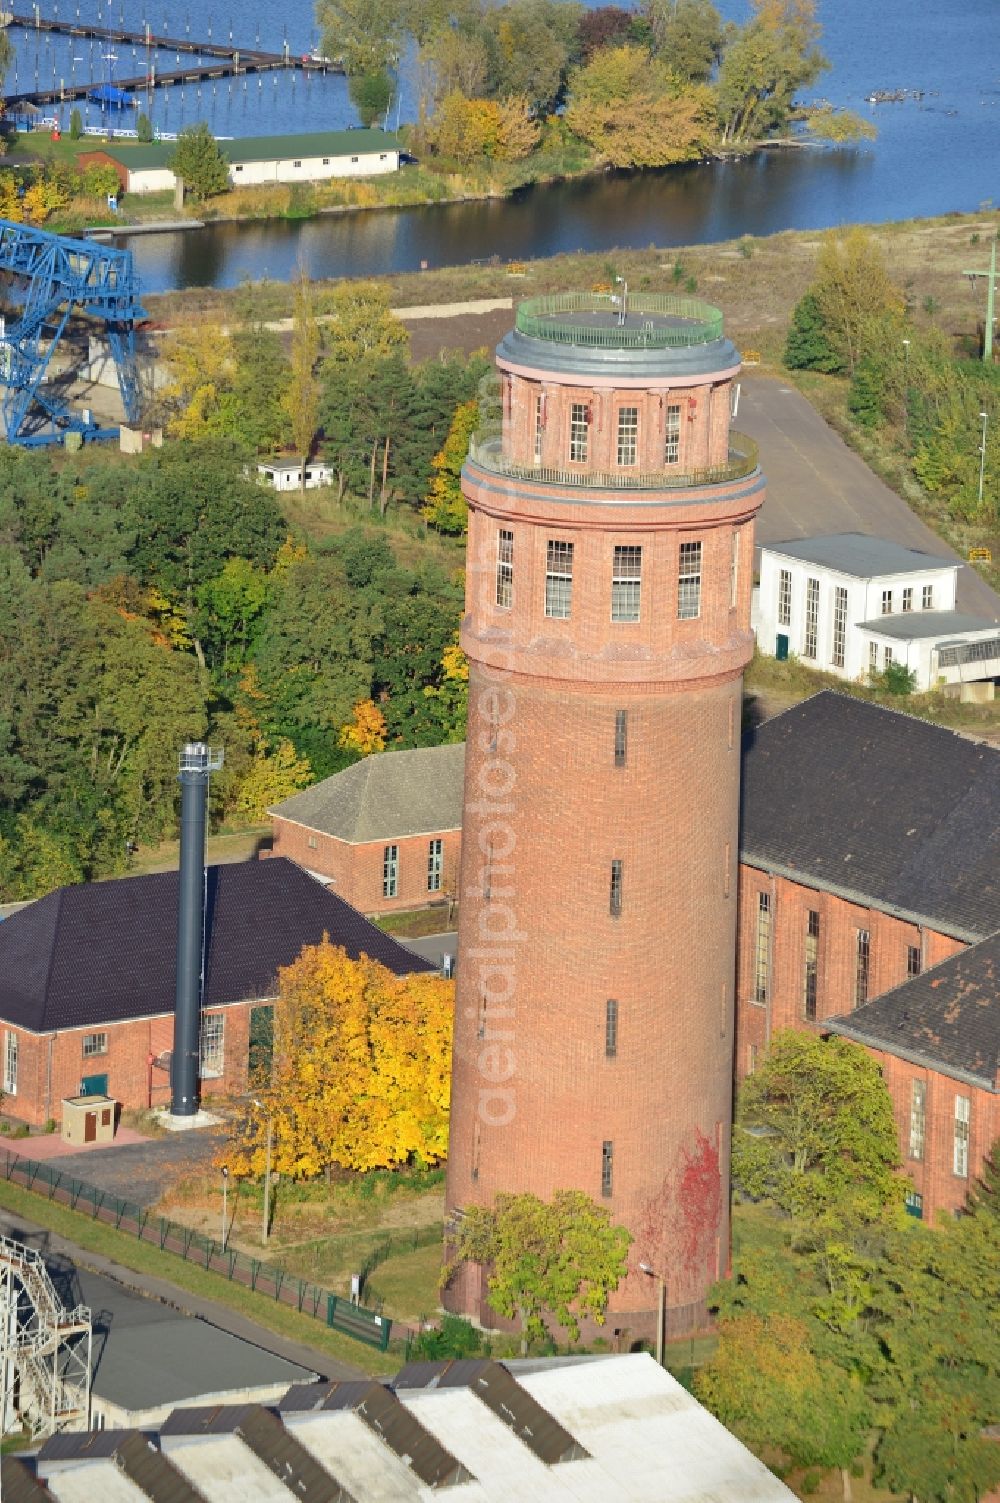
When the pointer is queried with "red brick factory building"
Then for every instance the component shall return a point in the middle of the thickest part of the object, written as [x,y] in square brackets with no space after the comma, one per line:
[607,626]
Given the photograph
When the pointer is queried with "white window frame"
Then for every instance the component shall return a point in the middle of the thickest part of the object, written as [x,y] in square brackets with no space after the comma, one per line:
[212,1046]
[907,598]
[628,436]
[539,428]
[505,568]
[435,864]
[579,433]
[918,1120]
[762,949]
[390,871]
[810,635]
[94,1044]
[558,579]
[10,1053]
[626,582]
[872,657]
[672,434]
[886,602]
[784,597]
[927,598]
[963,1119]
[839,626]
[689,566]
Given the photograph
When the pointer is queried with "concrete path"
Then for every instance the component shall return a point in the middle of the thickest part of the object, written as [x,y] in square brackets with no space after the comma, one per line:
[817,485]
[67,1256]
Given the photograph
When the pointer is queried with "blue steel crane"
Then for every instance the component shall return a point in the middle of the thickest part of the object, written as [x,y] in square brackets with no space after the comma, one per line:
[54,276]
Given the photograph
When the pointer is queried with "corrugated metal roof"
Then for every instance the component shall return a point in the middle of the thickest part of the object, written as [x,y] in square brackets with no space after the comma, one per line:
[323,143]
[18,1483]
[262,1432]
[860,556]
[134,1454]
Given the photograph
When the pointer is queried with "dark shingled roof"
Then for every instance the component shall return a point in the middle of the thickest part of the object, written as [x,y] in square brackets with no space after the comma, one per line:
[949,1017]
[104,952]
[385,796]
[877,806]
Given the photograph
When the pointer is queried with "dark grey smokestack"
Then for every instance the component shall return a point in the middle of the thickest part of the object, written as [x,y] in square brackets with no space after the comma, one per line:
[196,763]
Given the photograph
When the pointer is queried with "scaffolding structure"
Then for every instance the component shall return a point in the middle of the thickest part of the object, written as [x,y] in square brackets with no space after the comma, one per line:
[48,277]
[45,1350]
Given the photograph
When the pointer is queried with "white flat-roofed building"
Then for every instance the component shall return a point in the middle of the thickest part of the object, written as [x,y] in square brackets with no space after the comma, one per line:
[286,474]
[852,605]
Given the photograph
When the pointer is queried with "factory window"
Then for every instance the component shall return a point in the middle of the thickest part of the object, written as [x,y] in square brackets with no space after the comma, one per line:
[539,427]
[918,1118]
[238,167]
[887,602]
[628,435]
[812,619]
[382,156]
[672,436]
[611,1029]
[889,655]
[505,568]
[811,976]
[784,597]
[621,737]
[927,597]
[626,583]
[908,598]
[616,889]
[607,1167]
[839,625]
[10,1065]
[872,657]
[559,580]
[354,159]
[862,967]
[913,965]
[213,1037]
[326,161]
[762,958]
[914,1203]
[390,870]
[296,164]
[311,842]
[689,582]
[734,572]
[578,433]
[435,864]
[94,1043]
[961,1158]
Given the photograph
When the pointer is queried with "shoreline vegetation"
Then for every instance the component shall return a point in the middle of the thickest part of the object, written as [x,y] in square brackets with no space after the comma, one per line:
[508,96]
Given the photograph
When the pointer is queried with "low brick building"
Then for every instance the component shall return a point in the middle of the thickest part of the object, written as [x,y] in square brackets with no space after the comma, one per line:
[385,832]
[870,863]
[87,980]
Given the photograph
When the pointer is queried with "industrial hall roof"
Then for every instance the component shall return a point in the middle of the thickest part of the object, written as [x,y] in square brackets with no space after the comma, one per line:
[878,807]
[860,556]
[914,626]
[384,797]
[611,1429]
[105,952]
[949,1017]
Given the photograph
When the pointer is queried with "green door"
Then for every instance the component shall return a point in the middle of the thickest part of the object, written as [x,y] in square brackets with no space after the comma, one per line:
[94,1085]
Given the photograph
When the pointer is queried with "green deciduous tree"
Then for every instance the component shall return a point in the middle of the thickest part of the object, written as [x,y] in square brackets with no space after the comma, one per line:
[371,95]
[765,63]
[445,506]
[854,293]
[559,1260]
[816,1132]
[198,161]
[303,393]
[367,35]
[688,35]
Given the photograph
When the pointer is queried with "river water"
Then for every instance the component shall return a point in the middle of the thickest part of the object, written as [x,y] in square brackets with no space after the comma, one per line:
[933,155]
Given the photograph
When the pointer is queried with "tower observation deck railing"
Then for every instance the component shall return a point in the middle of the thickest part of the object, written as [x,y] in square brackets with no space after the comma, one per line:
[486,451]
[653,320]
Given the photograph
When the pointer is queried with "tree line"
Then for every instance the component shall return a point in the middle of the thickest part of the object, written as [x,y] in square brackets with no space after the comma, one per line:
[663,83]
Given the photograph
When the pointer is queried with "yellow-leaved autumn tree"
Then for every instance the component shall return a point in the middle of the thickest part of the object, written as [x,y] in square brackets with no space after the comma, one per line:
[365,732]
[361,1071]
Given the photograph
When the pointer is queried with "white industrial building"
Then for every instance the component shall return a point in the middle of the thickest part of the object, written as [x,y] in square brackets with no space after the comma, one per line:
[258,159]
[286,474]
[852,605]
[614,1429]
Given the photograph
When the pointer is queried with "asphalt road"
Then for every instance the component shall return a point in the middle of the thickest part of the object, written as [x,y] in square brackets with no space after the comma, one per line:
[817,485]
[433,946]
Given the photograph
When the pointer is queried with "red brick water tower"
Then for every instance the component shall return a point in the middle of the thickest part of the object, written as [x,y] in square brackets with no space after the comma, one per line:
[608,625]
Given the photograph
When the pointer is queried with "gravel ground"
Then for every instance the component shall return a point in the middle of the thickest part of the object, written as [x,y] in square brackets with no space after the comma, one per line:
[141,1171]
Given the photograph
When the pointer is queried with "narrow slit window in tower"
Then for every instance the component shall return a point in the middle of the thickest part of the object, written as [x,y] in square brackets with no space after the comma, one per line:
[616,889]
[621,737]
[559,580]
[578,433]
[734,572]
[611,1028]
[626,583]
[607,1167]
[689,582]
[539,427]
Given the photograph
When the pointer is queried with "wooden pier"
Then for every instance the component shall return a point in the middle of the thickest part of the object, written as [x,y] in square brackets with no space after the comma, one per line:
[227,60]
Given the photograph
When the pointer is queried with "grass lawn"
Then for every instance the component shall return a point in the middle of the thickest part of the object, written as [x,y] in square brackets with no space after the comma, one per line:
[420,921]
[409,1285]
[93,1236]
